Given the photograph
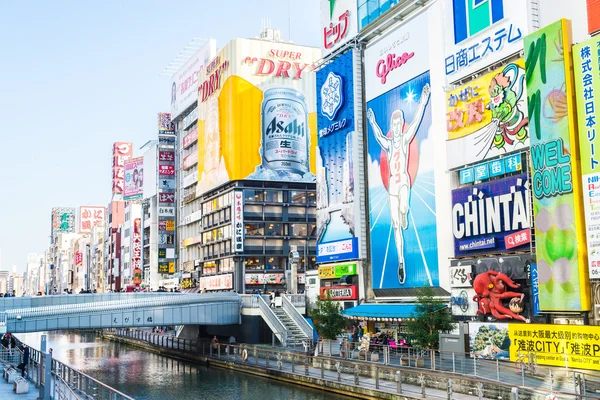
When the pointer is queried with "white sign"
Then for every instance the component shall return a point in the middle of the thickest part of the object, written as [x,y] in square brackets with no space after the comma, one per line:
[166,211]
[339,23]
[217,282]
[460,276]
[462,303]
[90,217]
[398,57]
[335,248]
[238,221]
[193,217]
[184,84]
[480,33]
[591,197]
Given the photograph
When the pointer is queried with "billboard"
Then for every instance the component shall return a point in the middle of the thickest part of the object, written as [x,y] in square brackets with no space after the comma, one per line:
[339,293]
[90,216]
[121,151]
[586,60]
[339,23]
[238,221]
[593,15]
[134,178]
[490,340]
[480,33]
[487,117]
[216,282]
[336,271]
[338,215]
[63,220]
[166,198]
[256,114]
[556,184]
[184,83]
[492,217]
[136,257]
[166,156]
[165,125]
[401,191]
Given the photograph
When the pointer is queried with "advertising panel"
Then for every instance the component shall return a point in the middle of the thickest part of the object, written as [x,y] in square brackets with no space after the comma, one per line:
[238,221]
[165,125]
[461,276]
[167,184]
[491,217]
[557,195]
[480,33]
[256,114]
[190,160]
[190,138]
[166,170]
[90,216]
[462,303]
[184,83]
[400,164]
[136,257]
[217,282]
[487,117]
[339,293]
[268,279]
[165,238]
[593,14]
[336,271]
[338,23]
[78,258]
[166,225]
[166,156]
[134,178]
[166,211]
[121,151]
[586,60]
[166,198]
[572,346]
[336,176]
[490,340]
[63,220]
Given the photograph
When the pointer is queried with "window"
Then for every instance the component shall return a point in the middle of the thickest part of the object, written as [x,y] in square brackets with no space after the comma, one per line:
[226,265]
[255,229]
[255,263]
[254,195]
[274,246]
[274,229]
[273,196]
[297,230]
[296,214]
[253,212]
[312,198]
[312,230]
[274,213]
[298,197]
[275,263]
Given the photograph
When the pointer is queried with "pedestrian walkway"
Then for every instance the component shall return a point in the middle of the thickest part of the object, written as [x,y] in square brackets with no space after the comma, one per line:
[6,389]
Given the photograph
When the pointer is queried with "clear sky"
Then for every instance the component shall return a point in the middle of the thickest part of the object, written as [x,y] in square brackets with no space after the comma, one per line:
[76,76]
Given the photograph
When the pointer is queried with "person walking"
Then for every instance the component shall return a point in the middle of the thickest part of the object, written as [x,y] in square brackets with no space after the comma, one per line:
[215,342]
[25,361]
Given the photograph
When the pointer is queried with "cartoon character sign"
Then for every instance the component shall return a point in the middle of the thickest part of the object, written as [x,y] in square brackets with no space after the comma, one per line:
[491,289]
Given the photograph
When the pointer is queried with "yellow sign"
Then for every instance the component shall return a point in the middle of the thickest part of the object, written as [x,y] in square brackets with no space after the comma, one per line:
[256,114]
[170,225]
[577,345]
[327,272]
[171,267]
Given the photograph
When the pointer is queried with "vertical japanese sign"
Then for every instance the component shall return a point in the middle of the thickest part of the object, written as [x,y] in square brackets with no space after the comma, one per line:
[134,178]
[78,258]
[338,23]
[136,259]
[63,220]
[559,226]
[90,217]
[121,151]
[238,221]
[586,59]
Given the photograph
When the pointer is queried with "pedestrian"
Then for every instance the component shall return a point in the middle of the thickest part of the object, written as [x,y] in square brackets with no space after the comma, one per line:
[354,334]
[25,362]
[214,342]
[272,297]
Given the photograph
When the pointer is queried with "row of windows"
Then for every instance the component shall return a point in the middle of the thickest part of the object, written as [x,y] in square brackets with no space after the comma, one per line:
[275,229]
[218,266]
[262,263]
[217,218]
[218,202]
[217,234]
[257,212]
[280,196]
[370,10]
[216,250]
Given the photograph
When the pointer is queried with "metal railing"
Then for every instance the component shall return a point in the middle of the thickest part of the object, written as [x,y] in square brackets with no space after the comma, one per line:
[291,310]
[277,327]
[298,300]
[390,379]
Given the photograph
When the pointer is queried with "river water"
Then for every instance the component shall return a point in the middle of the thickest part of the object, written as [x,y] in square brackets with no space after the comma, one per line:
[144,375]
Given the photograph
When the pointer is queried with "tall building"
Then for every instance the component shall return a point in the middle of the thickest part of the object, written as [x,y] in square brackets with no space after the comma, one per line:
[112,250]
[4,275]
[133,212]
[34,274]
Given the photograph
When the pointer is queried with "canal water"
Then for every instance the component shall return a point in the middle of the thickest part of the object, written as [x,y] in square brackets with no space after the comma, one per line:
[144,375]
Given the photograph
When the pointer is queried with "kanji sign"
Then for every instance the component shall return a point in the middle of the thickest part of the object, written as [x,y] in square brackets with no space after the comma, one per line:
[78,258]
[238,221]
[166,211]
[166,198]
[121,151]
[167,156]
[136,257]
[90,217]
[168,170]
[217,282]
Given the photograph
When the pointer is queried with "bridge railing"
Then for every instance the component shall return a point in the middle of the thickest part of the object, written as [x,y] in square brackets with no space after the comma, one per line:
[295,315]
[272,320]
[298,300]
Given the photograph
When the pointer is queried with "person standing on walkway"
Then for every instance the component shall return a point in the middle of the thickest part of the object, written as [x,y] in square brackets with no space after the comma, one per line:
[215,342]
[25,362]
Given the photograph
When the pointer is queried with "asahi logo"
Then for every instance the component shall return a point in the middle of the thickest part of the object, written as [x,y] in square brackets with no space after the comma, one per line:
[292,128]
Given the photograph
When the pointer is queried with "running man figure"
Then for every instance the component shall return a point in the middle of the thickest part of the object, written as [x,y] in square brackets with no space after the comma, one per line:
[397,149]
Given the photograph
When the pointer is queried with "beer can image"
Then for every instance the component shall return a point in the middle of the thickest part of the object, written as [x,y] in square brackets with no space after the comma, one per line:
[285,131]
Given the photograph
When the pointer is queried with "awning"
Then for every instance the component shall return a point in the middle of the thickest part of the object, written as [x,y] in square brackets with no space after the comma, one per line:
[380,312]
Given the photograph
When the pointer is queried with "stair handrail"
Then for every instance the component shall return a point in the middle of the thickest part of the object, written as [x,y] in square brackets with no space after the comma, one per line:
[298,319]
[273,320]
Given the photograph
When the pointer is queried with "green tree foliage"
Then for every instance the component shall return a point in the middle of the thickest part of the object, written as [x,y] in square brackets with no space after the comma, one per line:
[491,336]
[328,319]
[430,318]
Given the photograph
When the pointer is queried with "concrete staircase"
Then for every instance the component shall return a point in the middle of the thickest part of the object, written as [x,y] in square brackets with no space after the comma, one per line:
[296,338]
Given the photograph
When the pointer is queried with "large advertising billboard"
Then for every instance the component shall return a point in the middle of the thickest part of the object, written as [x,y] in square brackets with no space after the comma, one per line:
[492,217]
[586,60]
[400,163]
[121,151]
[487,117]
[556,184]
[256,114]
[338,23]
[338,215]
[90,216]
[184,83]
[480,33]
[134,178]
[63,220]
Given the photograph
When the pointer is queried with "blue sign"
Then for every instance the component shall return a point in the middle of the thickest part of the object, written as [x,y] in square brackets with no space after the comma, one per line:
[467,175]
[513,163]
[404,248]
[535,289]
[337,251]
[336,236]
[484,214]
[496,168]
[481,172]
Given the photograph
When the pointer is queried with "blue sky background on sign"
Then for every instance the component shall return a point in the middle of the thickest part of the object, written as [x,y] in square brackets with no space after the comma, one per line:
[420,237]
[489,189]
[334,150]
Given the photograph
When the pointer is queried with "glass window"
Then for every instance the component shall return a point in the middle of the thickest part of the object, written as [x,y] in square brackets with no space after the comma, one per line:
[255,263]
[297,230]
[312,229]
[253,212]
[255,229]
[298,197]
[312,198]
[227,214]
[274,229]
[275,263]
[297,214]
[254,195]
[274,213]
[273,196]
[274,246]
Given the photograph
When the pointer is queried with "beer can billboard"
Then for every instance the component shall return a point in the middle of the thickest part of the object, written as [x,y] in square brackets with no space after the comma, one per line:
[257,119]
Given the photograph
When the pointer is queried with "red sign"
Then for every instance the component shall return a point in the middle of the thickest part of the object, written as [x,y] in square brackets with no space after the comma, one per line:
[121,152]
[334,33]
[166,197]
[78,258]
[168,156]
[216,282]
[339,292]
[136,258]
[593,13]
[190,160]
[279,63]
[190,138]
[517,239]
[168,170]
[90,217]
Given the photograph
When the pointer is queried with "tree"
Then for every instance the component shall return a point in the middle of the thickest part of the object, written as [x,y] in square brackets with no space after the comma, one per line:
[328,318]
[430,318]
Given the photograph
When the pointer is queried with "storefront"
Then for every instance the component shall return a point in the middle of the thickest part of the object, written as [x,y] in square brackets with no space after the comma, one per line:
[339,282]
[381,318]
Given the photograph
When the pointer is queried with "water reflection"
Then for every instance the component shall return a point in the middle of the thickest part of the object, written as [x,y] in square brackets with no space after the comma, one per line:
[145,375]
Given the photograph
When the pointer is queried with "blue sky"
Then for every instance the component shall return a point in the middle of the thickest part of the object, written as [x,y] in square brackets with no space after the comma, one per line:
[77,76]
